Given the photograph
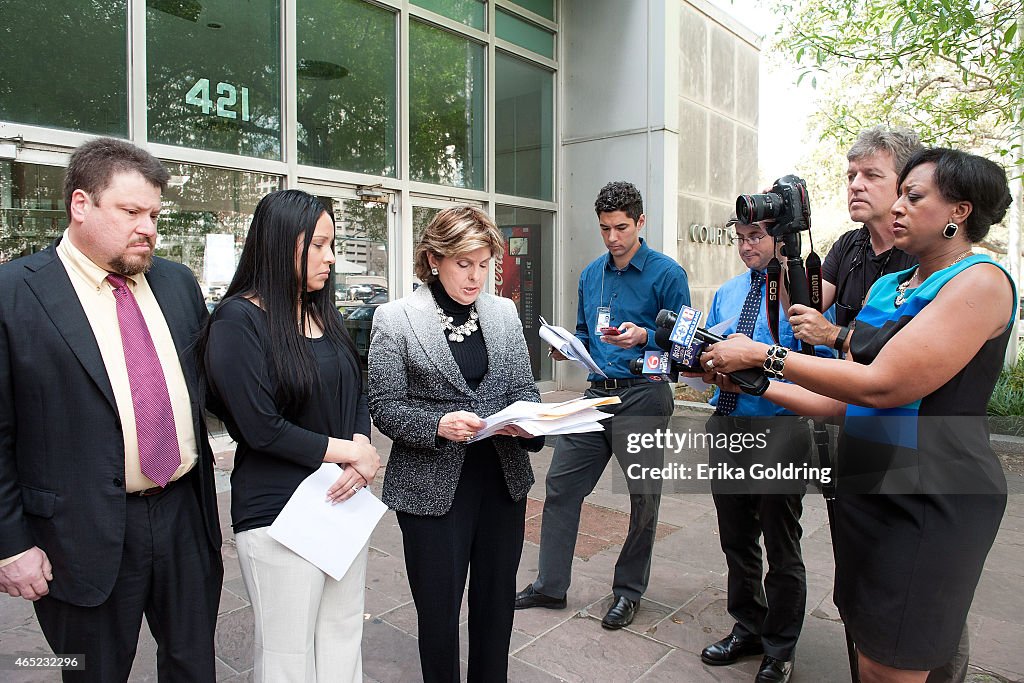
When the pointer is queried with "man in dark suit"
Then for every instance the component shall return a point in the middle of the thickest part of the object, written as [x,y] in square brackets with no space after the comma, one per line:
[107,503]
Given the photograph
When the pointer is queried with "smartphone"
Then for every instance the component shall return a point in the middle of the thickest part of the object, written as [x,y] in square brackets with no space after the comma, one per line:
[610,331]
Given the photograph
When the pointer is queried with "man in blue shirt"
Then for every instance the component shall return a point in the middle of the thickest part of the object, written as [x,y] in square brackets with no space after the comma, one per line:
[620,294]
[768,616]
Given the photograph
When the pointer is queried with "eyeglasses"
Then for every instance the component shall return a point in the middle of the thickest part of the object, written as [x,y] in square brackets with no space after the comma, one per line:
[752,240]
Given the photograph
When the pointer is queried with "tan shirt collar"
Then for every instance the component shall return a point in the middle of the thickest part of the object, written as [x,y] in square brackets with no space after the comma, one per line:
[83,266]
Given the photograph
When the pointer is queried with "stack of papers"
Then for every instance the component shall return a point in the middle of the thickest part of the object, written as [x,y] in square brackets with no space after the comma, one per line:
[568,345]
[547,419]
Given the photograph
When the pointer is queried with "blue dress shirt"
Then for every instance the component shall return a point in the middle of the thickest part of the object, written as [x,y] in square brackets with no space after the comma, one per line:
[727,304]
[651,282]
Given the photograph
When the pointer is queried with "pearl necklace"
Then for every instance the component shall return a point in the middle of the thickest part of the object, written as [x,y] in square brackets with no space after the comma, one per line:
[901,289]
[458,333]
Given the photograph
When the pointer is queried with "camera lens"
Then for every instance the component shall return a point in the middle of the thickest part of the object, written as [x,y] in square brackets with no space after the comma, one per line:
[751,208]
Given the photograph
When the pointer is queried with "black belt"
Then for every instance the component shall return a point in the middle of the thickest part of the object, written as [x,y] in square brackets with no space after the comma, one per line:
[157,490]
[624,383]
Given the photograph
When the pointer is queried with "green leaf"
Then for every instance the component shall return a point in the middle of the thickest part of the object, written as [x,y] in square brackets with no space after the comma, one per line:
[1010,33]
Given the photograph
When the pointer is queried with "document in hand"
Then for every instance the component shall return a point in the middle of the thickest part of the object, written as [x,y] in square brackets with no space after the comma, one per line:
[570,417]
[328,536]
[568,345]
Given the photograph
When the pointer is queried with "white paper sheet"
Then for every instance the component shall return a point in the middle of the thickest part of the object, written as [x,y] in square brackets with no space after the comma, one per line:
[568,345]
[329,536]
[561,416]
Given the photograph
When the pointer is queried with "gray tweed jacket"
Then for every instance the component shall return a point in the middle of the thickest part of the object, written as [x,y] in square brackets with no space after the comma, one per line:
[414,381]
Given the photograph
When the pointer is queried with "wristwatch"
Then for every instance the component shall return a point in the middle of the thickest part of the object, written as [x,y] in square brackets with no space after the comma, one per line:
[840,342]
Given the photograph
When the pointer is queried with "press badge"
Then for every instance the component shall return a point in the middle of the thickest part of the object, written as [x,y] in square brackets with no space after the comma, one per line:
[604,317]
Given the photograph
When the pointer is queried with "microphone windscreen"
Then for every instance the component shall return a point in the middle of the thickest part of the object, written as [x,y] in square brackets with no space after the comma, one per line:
[666,318]
[661,338]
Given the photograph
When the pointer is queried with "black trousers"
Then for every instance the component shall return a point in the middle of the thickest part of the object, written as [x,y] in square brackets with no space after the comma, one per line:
[772,610]
[169,573]
[482,535]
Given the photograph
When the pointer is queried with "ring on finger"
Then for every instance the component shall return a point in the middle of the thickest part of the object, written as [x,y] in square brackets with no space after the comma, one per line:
[710,363]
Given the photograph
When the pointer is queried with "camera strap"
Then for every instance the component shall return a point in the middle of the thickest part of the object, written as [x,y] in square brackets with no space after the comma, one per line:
[773,277]
[813,267]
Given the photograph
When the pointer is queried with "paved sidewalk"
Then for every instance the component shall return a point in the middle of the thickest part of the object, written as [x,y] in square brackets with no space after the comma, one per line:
[683,610]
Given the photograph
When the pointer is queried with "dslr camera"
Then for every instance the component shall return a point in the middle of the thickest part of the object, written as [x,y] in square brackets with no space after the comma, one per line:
[786,204]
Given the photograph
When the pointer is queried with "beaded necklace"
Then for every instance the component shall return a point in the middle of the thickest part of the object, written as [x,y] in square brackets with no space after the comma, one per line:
[458,333]
[901,289]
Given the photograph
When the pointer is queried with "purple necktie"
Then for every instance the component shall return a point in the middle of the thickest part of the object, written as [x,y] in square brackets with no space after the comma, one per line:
[159,456]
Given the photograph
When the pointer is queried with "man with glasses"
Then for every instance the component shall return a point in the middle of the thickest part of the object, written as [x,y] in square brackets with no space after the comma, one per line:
[861,256]
[769,614]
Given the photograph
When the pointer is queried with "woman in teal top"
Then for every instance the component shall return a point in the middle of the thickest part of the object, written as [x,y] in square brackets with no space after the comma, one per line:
[920,493]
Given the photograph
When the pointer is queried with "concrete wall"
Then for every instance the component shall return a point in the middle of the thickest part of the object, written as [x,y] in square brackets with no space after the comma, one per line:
[717,144]
[661,93]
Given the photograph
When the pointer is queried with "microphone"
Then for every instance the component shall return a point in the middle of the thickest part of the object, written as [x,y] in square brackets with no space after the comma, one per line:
[750,380]
[655,366]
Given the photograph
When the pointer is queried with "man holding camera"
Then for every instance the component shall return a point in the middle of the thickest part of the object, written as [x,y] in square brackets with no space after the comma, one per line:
[768,615]
[620,294]
[861,256]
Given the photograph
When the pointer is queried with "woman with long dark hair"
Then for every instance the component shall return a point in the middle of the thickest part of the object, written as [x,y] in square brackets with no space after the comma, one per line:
[920,493]
[285,378]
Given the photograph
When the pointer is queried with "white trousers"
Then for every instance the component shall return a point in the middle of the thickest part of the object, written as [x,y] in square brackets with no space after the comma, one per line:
[309,627]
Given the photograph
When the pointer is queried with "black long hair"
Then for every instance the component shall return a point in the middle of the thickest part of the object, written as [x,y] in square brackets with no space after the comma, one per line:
[266,271]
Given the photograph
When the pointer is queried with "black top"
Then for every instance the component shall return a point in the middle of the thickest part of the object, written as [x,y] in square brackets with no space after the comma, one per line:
[471,356]
[471,353]
[853,266]
[276,451]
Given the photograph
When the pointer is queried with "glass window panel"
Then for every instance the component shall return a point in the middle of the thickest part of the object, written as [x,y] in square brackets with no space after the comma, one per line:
[469,12]
[32,212]
[213,74]
[526,275]
[523,129]
[524,34]
[64,64]
[346,86]
[421,217]
[361,271]
[446,93]
[544,8]
[204,220]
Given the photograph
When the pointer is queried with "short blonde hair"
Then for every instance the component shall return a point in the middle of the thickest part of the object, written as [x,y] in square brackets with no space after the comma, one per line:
[453,232]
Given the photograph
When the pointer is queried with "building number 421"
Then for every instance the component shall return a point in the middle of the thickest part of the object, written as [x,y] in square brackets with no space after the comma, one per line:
[199,95]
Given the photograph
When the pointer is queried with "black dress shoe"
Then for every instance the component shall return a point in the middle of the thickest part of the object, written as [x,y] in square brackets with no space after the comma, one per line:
[774,670]
[620,614]
[730,650]
[528,597]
